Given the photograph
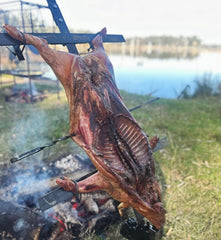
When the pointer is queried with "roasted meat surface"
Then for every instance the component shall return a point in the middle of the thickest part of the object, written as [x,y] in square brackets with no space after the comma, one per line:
[104,128]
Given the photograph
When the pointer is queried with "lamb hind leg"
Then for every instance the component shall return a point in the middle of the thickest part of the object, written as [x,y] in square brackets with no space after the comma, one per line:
[39,43]
[59,61]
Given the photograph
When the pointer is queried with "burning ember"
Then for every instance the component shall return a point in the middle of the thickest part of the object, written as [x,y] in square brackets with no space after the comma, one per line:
[22,186]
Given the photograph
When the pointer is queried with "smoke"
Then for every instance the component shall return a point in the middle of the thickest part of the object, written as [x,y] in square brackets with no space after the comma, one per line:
[26,87]
[28,132]
[30,175]
[34,89]
[20,224]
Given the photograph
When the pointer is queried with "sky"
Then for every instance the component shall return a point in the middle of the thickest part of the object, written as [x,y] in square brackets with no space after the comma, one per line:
[144,17]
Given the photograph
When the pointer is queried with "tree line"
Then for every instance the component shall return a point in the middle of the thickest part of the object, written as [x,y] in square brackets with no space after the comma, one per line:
[167,40]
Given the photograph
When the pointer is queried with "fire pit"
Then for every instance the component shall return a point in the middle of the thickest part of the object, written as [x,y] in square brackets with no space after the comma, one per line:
[20,94]
[21,187]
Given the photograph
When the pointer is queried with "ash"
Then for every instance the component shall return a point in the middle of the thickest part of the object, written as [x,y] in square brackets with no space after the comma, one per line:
[23,183]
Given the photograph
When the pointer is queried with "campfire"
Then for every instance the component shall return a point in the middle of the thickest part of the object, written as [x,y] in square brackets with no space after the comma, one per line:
[21,187]
[20,94]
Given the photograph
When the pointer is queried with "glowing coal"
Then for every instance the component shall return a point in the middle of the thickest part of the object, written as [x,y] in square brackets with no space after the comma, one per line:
[23,183]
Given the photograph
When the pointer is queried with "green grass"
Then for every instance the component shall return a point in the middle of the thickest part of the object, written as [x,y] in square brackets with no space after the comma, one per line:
[191,164]
[189,168]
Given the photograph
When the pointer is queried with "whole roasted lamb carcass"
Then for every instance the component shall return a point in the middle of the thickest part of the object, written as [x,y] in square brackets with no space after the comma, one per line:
[104,128]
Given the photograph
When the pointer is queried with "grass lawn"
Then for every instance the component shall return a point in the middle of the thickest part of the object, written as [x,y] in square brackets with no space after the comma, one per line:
[189,168]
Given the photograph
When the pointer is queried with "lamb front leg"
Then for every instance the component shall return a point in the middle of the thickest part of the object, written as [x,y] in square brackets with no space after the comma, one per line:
[153,142]
[90,184]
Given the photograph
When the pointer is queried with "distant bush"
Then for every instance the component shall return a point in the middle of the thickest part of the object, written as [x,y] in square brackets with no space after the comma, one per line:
[206,86]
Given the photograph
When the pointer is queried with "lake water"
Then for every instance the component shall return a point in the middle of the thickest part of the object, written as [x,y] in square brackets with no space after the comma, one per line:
[165,77]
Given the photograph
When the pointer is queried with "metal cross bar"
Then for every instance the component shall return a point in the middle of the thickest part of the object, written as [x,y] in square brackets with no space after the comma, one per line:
[61,38]
[60,22]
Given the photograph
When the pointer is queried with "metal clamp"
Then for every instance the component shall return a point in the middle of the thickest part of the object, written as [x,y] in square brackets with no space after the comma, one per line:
[16,51]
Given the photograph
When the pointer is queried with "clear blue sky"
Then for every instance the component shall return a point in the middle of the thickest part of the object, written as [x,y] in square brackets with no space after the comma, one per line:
[144,17]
